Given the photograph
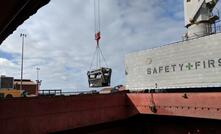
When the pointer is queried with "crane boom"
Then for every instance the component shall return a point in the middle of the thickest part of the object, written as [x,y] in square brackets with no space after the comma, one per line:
[196,11]
[199,17]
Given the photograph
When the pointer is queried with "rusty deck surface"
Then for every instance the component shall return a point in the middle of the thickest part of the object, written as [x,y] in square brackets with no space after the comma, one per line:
[54,114]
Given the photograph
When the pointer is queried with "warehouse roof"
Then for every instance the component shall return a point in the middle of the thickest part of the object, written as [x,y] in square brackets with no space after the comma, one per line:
[24,82]
[14,12]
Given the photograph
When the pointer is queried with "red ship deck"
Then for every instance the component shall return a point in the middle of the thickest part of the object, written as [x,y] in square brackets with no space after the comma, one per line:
[63,113]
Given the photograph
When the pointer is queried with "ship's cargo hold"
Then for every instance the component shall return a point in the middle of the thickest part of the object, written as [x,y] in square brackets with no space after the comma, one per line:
[99,77]
[193,63]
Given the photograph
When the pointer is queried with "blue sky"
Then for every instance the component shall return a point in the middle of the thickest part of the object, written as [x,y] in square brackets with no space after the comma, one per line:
[6,55]
[60,38]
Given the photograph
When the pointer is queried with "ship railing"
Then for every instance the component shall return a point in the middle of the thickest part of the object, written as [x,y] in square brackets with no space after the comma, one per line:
[213,30]
[80,93]
[50,92]
[217,29]
[58,92]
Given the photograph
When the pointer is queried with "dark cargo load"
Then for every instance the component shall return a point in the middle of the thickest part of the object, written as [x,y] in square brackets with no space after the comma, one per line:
[99,77]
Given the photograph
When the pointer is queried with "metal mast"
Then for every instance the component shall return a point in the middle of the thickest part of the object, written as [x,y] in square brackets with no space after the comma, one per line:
[23,36]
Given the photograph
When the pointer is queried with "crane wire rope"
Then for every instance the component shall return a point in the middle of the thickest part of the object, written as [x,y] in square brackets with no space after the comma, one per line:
[99,16]
[98,54]
[97,20]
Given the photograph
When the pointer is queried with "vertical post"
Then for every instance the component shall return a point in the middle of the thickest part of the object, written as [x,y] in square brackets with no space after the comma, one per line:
[38,81]
[38,69]
[22,57]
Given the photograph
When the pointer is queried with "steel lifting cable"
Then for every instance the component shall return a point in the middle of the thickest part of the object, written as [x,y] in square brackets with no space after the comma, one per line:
[103,57]
[97,20]
[93,58]
[95,17]
[98,55]
[99,16]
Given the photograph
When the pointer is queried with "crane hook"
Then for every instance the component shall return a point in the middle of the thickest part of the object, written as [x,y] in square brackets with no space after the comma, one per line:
[97,37]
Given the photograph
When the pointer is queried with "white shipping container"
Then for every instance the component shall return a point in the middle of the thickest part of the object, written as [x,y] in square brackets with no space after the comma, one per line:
[193,63]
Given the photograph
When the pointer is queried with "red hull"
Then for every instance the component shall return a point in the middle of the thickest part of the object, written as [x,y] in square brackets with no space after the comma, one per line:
[54,114]
[200,105]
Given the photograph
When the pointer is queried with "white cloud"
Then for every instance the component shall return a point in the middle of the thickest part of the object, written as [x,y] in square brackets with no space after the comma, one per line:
[7,67]
[60,38]
[6,63]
